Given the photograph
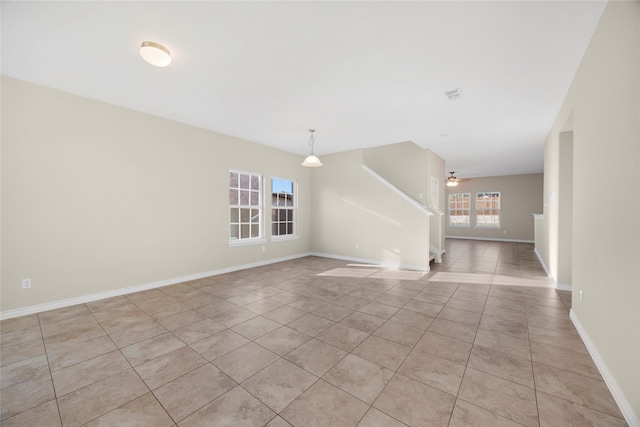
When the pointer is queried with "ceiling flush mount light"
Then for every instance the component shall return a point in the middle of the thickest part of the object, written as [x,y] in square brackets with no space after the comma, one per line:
[312,161]
[155,54]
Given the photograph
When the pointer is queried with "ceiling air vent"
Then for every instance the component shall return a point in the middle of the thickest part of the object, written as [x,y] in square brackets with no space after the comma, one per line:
[454,94]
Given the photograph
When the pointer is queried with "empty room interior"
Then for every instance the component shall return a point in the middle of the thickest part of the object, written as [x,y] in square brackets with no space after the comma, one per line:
[324,213]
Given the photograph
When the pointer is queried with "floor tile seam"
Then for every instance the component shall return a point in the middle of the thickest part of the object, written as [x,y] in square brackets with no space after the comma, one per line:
[533,373]
[579,404]
[498,349]
[92,358]
[316,375]
[131,367]
[466,367]
[187,324]
[496,317]
[207,362]
[457,321]
[55,396]
[277,413]
[598,378]
[126,403]
[8,365]
[49,363]
[195,410]
[583,353]
[501,332]
[380,410]
[322,378]
[96,382]
[485,409]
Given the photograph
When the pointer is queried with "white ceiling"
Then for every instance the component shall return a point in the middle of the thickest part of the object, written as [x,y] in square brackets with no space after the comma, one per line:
[362,73]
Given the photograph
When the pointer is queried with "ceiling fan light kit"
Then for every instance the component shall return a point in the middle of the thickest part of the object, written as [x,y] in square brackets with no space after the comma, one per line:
[452,181]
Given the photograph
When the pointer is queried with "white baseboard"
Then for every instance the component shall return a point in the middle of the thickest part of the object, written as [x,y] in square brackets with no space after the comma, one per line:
[489,239]
[563,286]
[625,406]
[137,288]
[559,286]
[172,281]
[544,266]
[371,261]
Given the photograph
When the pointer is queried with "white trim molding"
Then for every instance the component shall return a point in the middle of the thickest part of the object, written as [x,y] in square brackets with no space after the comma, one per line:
[172,281]
[489,239]
[398,191]
[558,286]
[625,406]
[544,266]
[137,288]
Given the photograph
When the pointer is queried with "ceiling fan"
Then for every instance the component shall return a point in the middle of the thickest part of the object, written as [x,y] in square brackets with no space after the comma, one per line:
[452,181]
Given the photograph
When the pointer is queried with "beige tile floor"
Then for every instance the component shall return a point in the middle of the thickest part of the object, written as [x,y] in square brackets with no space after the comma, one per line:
[481,340]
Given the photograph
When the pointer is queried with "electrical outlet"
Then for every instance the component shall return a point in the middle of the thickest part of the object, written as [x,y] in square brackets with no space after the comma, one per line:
[26,283]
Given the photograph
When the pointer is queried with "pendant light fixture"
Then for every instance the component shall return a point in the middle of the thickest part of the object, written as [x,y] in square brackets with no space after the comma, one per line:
[312,161]
[155,54]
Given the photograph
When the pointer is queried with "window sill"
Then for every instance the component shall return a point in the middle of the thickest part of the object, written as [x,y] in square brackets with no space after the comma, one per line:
[283,238]
[246,242]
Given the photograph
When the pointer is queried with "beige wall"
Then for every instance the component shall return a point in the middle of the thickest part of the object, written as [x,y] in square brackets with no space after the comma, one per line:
[356,216]
[603,110]
[404,164]
[521,196]
[96,198]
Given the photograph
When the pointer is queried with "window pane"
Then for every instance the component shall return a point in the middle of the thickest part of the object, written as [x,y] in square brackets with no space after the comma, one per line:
[274,215]
[234,232]
[255,182]
[235,216]
[244,231]
[244,197]
[289,228]
[233,197]
[255,230]
[233,180]
[255,198]
[244,215]
[244,181]
[255,215]
[283,229]
[274,229]
[289,214]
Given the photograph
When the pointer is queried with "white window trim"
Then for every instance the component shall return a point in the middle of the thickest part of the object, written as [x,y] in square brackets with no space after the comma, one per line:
[254,240]
[247,242]
[494,227]
[295,235]
[449,213]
